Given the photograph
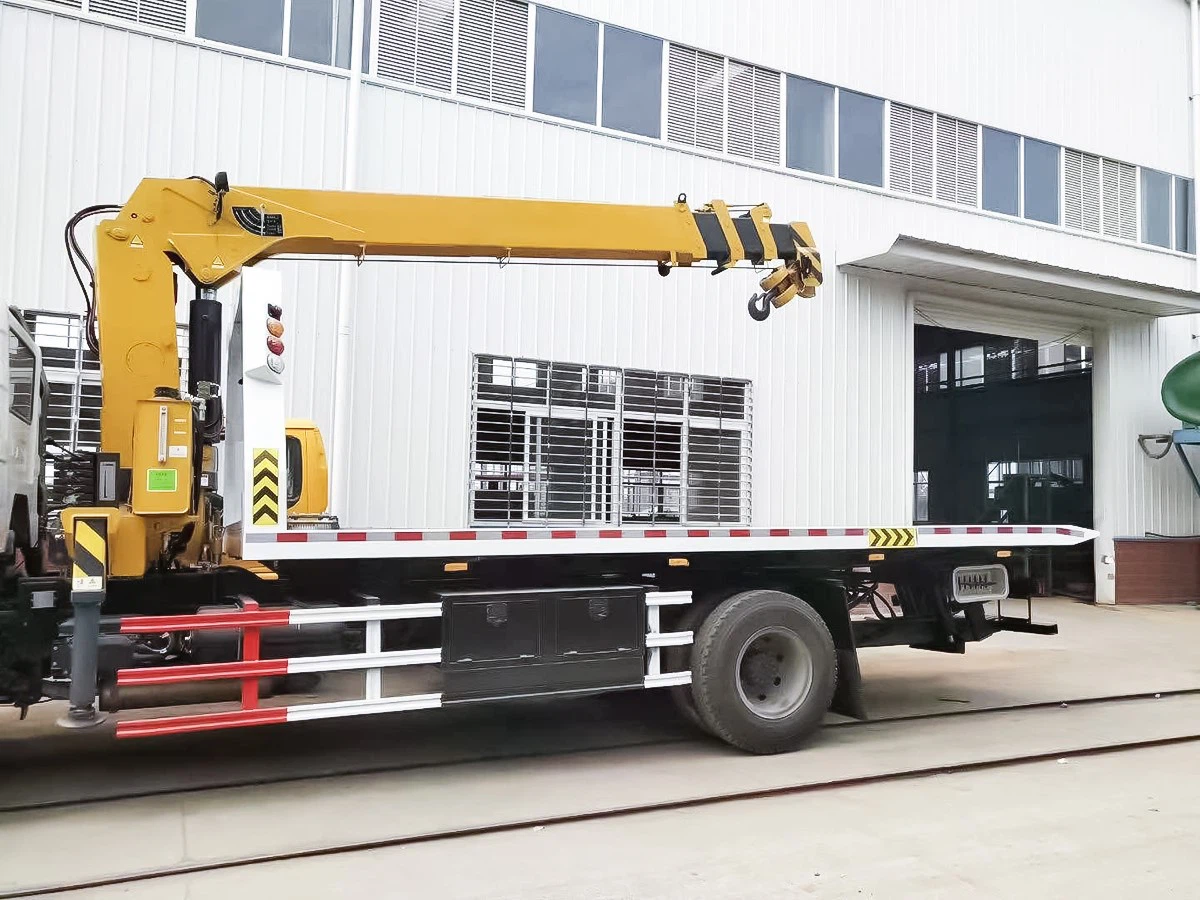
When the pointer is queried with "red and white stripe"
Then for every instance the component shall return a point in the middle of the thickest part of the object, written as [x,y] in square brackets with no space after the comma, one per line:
[250,619]
[485,542]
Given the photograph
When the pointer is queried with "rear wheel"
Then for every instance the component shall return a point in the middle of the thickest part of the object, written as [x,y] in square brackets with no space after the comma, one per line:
[764,669]
[678,658]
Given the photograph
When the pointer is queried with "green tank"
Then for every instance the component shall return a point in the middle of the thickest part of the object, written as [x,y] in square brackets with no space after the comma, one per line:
[1181,390]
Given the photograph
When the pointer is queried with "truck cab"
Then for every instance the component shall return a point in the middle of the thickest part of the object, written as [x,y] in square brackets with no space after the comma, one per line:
[23,398]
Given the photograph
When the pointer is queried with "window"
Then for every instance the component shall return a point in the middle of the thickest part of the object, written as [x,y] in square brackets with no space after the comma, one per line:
[295,469]
[314,32]
[319,30]
[860,138]
[753,112]
[1156,208]
[415,41]
[920,497]
[565,57]
[1055,357]
[696,98]
[809,126]
[1041,181]
[957,161]
[1119,198]
[551,443]
[22,363]
[492,40]
[169,14]
[911,150]
[1185,216]
[1001,158]
[256,26]
[968,367]
[632,93]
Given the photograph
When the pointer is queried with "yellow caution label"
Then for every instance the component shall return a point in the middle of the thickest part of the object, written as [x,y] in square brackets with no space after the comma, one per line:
[89,563]
[891,537]
[264,494]
[136,243]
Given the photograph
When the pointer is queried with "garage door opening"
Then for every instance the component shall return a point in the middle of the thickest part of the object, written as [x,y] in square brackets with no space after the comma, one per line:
[1003,434]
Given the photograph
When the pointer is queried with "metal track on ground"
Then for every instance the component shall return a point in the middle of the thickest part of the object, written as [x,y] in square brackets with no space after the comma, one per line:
[625,745]
[594,815]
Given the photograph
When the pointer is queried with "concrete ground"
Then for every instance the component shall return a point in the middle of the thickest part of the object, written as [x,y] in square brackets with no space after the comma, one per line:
[1100,651]
[1102,827]
[616,751]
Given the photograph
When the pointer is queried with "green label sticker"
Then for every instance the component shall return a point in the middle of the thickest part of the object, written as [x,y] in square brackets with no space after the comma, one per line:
[161,481]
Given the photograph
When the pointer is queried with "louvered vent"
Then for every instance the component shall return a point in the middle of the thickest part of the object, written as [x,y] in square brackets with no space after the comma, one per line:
[911,150]
[169,14]
[492,40]
[957,161]
[696,99]
[753,112]
[416,39]
[1119,199]
[1081,183]
[74,4]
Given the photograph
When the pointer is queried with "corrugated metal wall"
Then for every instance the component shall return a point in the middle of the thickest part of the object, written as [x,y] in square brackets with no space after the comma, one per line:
[1002,64]
[1143,494]
[93,109]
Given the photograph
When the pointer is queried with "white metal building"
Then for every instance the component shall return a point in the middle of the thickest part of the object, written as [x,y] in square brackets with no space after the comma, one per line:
[1020,168]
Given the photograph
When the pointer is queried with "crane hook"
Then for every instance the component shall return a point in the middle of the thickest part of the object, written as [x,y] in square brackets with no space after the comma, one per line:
[759,307]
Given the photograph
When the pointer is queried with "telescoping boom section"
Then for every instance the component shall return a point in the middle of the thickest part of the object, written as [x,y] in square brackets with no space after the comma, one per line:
[185,567]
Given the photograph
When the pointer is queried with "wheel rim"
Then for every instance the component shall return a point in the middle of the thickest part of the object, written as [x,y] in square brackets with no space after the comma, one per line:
[774,672]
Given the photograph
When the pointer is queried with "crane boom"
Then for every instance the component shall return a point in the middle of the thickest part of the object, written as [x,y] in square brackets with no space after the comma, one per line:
[212,230]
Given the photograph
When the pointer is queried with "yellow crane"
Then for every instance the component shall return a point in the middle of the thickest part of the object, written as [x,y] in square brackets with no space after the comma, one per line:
[210,231]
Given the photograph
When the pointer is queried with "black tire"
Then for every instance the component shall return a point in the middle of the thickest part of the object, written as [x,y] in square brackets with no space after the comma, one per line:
[676,659]
[740,624]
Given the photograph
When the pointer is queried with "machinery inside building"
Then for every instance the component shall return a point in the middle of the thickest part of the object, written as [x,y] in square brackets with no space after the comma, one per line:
[1003,434]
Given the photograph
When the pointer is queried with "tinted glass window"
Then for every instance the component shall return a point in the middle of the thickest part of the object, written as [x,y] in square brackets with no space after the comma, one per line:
[1185,216]
[295,469]
[1156,208]
[312,30]
[632,91]
[860,138]
[21,361]
[564,65]
[1000,168]
[809,125]
[1041,181]
[256,26]
[345,22]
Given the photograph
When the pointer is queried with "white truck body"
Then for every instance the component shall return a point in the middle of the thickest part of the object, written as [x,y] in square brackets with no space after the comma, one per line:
[22,396]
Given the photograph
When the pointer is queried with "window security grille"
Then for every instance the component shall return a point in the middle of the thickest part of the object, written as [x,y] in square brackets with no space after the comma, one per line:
[560,443]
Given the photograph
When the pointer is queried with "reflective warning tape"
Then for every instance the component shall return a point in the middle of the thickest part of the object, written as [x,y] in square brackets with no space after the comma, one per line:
[89,564]
[494,542]
[892,537]
[264,494]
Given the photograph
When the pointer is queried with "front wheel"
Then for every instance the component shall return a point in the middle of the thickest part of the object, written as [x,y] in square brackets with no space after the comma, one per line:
[764,669]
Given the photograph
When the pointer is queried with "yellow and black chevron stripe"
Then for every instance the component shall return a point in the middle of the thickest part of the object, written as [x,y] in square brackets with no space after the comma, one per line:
[264,494]
[89,564]
[892,537]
